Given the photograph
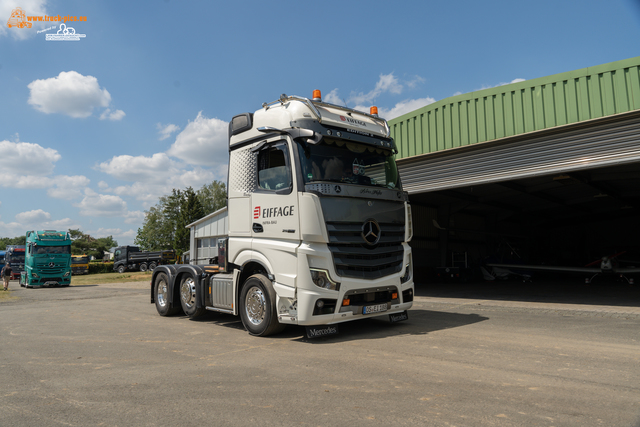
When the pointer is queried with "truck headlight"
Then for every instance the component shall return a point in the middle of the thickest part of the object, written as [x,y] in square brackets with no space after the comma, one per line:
[322,280]
[407,273]
[34,275]
[67,273]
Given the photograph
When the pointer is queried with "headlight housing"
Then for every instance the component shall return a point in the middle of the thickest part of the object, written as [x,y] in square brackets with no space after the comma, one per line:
[67,273]
[407,273]
[34,275]
[322,280]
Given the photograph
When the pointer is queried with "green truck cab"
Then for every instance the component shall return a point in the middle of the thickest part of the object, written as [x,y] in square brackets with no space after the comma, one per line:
[47,259]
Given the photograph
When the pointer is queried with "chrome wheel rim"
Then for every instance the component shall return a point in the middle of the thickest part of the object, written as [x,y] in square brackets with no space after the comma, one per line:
[188,292]
[255,305]
[163,293]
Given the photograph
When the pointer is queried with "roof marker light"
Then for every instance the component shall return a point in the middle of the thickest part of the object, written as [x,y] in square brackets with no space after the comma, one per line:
[373,111]
[317,95]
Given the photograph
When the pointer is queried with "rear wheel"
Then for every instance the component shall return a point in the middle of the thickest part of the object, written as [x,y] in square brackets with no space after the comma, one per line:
[258,307]
[143,266]
[162,297]
[152,266]
[188,298]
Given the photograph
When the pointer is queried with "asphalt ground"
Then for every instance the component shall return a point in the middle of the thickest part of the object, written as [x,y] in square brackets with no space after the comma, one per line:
[469,355]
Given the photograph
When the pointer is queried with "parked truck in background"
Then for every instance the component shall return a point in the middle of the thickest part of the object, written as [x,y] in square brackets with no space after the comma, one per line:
[131,258]
[47,259]
[79,264]
[14,255]
[318,225]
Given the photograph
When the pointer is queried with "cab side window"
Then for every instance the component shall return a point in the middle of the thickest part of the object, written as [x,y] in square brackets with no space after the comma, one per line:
[274,172]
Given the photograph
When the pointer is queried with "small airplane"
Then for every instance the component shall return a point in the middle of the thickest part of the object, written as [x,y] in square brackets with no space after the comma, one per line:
[607,266]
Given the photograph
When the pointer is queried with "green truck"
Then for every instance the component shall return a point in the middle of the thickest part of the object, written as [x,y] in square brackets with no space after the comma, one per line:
[47,259]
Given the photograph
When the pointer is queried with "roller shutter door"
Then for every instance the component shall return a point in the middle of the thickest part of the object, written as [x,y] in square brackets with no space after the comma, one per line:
[596,143]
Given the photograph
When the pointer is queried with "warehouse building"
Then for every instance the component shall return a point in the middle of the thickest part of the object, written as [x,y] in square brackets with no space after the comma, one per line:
[544,171]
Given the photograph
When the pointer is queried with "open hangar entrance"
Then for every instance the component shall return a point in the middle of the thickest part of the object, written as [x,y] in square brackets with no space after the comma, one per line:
[565,196]
[543,171]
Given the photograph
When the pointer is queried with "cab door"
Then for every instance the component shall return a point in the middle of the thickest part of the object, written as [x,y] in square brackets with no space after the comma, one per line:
[274,202]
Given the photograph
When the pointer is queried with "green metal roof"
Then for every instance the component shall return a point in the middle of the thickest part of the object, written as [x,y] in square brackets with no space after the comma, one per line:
[518,108]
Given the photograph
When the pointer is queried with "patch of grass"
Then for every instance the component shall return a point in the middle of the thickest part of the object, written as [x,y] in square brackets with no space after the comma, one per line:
[96,279]
[6,296]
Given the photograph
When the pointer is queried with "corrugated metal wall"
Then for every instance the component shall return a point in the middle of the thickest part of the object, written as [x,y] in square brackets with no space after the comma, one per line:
[519,108]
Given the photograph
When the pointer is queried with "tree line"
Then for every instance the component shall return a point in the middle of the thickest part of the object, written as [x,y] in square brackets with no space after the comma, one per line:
[164,225]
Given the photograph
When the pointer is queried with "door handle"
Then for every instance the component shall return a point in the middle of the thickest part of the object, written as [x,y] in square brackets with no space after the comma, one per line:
[257,228]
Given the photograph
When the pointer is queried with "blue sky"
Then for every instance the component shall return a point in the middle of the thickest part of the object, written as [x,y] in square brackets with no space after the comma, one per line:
[94,131]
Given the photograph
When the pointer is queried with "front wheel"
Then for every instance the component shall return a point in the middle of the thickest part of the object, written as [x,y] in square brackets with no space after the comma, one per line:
[188,298]
[162,297]
[121,269]
[258,307]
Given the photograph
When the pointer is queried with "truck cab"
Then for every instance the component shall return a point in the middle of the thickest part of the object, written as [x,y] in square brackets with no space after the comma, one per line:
[79,264]
[47,259]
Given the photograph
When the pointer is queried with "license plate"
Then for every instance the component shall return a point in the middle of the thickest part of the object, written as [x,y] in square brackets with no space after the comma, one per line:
[379,308]
[51,284]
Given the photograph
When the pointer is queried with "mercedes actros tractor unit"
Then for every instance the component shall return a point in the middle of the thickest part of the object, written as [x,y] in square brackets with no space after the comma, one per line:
[318,225]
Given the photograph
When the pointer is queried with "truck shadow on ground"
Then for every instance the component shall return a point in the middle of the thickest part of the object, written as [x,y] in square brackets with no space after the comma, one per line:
[421,322]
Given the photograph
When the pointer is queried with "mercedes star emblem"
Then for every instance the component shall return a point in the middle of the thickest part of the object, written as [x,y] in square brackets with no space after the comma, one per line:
[371,232]
[51,264]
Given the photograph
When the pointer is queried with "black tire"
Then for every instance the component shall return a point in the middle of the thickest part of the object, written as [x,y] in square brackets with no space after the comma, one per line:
[189,297]
[122,268]
[258,307]
[152,266]
[162,297]
[143,266]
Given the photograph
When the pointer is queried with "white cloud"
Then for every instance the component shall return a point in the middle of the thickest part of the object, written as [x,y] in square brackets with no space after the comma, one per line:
[11,229]
[67,187]
[404,107]
[112,115]
[202,142]
[387,83]
[25,165]
[34,216]
[134,217]
[139,168]
[166,131]
[333,98]
[94,204]
[72,94]
[518,80]
[31,8]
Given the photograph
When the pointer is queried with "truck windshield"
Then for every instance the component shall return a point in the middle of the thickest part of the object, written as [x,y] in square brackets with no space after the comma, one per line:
[15,257]
[42,250]
[336,160]
[80,260]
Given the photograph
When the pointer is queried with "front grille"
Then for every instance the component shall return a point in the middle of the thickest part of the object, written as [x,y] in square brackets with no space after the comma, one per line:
[353,257]
[57,268]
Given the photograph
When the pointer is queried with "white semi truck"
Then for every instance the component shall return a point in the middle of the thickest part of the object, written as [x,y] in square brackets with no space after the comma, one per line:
[318,225]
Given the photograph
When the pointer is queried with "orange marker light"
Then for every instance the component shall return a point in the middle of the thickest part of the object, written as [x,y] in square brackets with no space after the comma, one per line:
[317,95]
[394,295]
[373,111]
[346,301]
